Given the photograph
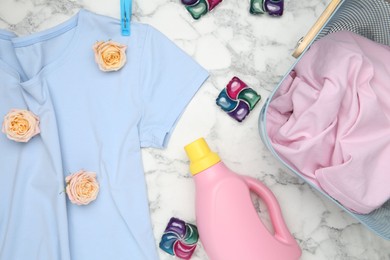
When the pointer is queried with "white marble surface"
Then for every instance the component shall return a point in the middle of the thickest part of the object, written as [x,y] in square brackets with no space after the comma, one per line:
[229,41]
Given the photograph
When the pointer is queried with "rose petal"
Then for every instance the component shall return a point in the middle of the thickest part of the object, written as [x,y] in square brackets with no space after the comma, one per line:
[20,125]
[110,56]
[82,187]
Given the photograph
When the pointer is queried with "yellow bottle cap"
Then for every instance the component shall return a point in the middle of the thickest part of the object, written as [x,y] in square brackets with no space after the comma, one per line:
[200,155]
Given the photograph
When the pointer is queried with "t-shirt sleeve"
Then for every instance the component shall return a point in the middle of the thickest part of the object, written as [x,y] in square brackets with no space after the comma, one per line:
[169,80]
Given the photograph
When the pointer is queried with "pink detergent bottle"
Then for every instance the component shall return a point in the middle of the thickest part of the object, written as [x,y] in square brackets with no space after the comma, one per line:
[228,223]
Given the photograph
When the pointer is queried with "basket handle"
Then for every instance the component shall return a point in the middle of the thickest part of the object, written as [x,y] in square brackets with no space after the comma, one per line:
[307,39]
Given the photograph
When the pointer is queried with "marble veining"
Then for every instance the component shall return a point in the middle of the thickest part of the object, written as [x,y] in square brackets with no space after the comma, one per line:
[228,41]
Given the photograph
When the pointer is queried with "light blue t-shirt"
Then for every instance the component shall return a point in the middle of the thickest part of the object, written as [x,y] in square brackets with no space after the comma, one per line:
[33,216]
[92,120]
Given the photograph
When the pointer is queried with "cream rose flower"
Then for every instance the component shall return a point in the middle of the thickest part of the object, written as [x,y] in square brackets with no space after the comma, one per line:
[109,55]
[82,187]
[20,125]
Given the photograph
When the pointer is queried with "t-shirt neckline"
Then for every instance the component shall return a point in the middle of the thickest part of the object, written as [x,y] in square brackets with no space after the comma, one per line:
[4,66]
[20,41]
[6,35]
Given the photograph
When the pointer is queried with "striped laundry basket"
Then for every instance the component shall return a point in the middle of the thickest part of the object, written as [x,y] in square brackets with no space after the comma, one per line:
[371,19]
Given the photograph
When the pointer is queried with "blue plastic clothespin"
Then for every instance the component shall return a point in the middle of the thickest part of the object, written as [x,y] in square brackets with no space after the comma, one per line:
[126,10]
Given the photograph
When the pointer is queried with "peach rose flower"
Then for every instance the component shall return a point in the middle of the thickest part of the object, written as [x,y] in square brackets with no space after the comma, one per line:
[82,187]
[109,55]
[20,125]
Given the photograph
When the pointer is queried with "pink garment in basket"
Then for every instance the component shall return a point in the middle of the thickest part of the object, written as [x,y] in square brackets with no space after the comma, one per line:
[330,119]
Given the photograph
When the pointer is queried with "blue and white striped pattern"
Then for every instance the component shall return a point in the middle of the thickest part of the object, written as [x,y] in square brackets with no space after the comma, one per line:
[370,19]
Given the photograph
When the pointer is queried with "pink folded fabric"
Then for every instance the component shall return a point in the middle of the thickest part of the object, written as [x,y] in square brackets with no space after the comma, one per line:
[330,119]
